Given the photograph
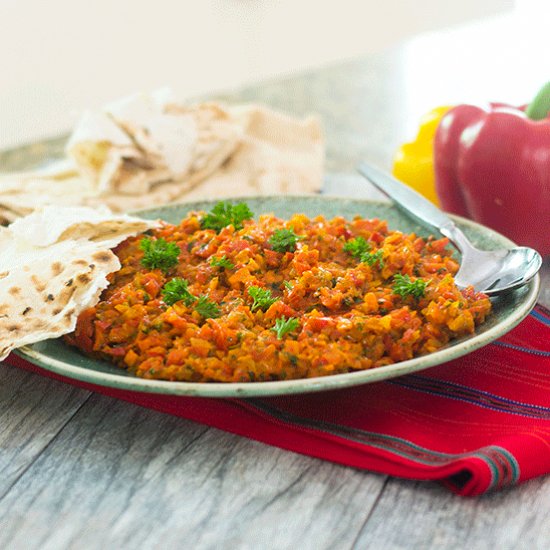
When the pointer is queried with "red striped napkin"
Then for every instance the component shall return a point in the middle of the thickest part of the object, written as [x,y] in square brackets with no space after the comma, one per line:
[478,423]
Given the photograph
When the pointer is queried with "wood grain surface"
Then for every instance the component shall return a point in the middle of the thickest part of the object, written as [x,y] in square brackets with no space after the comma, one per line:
[85,471]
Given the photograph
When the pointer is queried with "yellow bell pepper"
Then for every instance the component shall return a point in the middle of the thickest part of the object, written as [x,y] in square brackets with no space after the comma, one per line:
[413,162]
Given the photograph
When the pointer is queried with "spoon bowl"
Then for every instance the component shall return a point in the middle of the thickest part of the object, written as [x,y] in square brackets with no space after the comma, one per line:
[497,271]
[490,271]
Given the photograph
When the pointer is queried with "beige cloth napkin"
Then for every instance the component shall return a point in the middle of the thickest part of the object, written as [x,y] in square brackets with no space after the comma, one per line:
[148,152]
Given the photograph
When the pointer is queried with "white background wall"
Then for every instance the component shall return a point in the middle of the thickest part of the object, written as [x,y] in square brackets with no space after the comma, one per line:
[60,56]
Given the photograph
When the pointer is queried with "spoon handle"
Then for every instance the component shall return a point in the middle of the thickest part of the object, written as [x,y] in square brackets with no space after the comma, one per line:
[408,200]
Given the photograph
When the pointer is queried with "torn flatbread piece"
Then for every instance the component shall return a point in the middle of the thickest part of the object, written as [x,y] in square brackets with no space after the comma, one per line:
[53,266]
[52,224]
[278,155]
[146,139]
[148,150]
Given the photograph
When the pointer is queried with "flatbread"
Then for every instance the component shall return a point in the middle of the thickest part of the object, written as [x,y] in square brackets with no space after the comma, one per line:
[145,140]
[278,155]
[52,224]
[53,266]
[148,150]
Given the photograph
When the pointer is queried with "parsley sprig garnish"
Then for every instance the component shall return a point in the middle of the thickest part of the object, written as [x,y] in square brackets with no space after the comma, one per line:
[221,262]
[361,249]
[403,286]
[224,213]
[262,298]
[283,326]
[207,308]
[357,247]
[370,258]
[159,253]
[284,240]
[176,290]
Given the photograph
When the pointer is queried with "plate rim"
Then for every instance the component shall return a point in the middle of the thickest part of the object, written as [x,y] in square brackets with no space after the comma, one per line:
[295,386]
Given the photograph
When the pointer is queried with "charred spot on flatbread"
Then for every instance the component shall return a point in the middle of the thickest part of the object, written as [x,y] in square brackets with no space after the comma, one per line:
[57,268]
[68,316]
[83,278]
[26,310]
[38,284]
[66,294]
[102,257]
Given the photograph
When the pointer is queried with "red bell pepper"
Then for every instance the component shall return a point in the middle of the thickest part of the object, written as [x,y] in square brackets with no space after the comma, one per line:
[492,164]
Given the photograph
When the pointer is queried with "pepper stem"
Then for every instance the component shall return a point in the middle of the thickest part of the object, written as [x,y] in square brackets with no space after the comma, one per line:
[540,106]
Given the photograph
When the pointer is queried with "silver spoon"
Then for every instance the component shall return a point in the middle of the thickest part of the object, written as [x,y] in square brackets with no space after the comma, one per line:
[492,272]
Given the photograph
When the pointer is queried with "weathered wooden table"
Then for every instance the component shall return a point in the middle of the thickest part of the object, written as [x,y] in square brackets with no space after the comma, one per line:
[80,470]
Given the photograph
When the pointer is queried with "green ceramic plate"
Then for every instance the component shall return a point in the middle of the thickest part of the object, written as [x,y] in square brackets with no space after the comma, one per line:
[508,311]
